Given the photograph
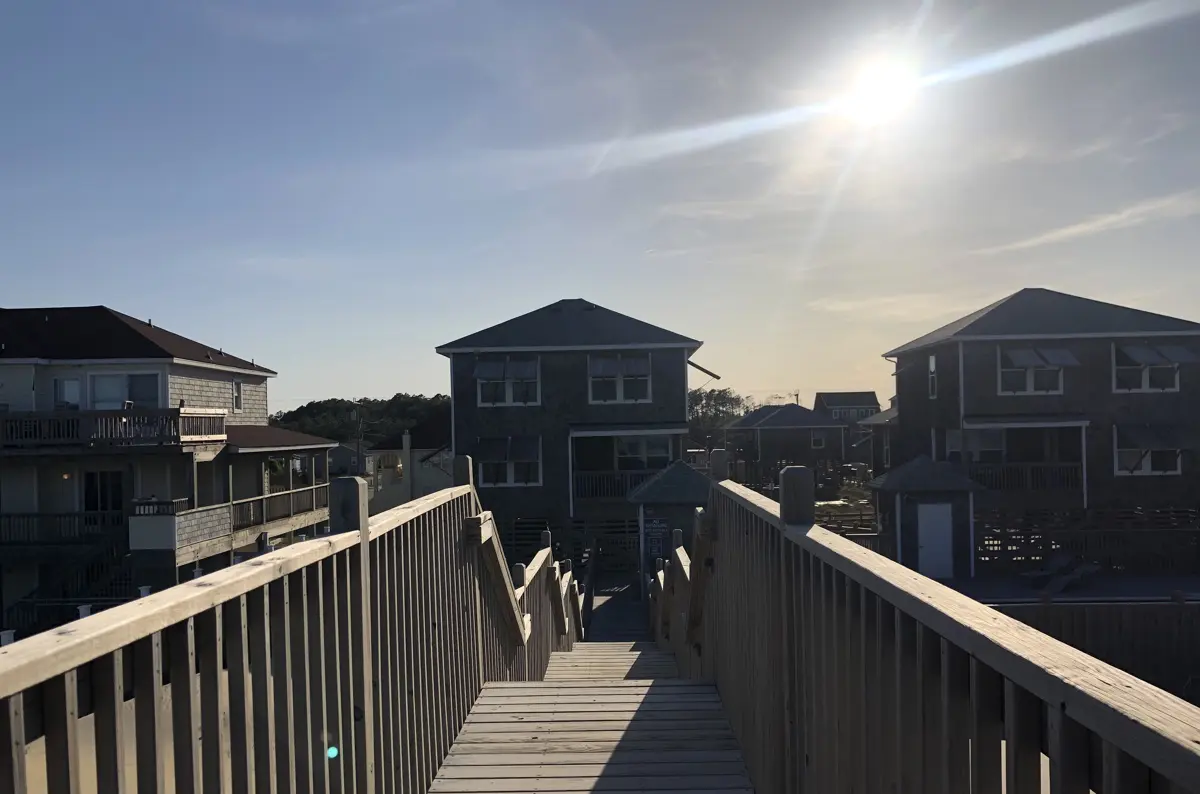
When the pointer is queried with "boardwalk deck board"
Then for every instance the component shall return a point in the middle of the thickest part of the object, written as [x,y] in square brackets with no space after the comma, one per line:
[609,717]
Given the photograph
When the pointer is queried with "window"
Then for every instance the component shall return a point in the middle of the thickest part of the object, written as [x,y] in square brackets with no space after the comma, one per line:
[1030,371]
[1143,450]
[511,380]
[237,395]
[1145,368]
[818,439]
[643,453]
[933,384]
[512,461]
[619,378]
[67,394]
[111,392]
[980,446]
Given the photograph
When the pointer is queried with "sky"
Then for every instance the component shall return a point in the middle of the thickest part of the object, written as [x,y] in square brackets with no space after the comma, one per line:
[335,187]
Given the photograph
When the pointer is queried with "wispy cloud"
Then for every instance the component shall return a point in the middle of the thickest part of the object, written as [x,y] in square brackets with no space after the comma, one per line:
[909,307]
[1173,207]
[1129,142]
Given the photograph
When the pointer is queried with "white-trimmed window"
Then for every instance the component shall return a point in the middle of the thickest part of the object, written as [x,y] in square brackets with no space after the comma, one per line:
[1141,450]
[643,453]
[510,461]
[237,396]
[1149,368]
[1033,371]
[113,392]
[933,380]
[817,439]
[508,380]
[619,378]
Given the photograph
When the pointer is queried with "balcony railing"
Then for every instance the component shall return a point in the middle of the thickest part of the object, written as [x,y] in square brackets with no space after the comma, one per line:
[1027,476]
[608,484]
[135,427]
[53,529]
[162,507]
[274,507]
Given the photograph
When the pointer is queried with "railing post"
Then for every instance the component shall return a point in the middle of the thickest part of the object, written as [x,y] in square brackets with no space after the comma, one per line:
[464,471]
[7,637]
[676,538]
[718,465]
[518,575]
[797,500]
[348,513]
[546,542]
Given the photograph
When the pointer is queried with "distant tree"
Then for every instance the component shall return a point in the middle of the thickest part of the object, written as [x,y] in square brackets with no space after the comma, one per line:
[711,409]
[338,418]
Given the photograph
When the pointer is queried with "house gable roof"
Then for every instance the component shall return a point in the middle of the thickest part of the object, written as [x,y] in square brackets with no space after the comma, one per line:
[677,484]
[98,332]
[569,324]
[846,399]
[925,475]
[1038,312]
[783,417]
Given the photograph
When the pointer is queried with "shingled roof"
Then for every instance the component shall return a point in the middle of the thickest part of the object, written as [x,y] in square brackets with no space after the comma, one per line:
[1037,312]
[569,324]
[677,484]
[98,332]
[846,399]
[783,417]
[925,475]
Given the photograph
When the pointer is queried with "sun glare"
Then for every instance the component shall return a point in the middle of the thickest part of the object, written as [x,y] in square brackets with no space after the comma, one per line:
[881,91]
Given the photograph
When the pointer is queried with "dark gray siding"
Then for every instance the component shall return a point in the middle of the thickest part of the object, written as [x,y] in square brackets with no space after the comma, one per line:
[1087,395]
[564,377]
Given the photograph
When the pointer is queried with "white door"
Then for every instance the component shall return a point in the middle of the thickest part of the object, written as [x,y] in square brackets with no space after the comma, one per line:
[935,541]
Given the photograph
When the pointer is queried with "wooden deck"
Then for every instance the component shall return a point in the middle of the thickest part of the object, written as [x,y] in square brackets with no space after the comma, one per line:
[609,717]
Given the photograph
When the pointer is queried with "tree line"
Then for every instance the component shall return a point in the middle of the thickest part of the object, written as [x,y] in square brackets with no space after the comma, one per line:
[339,419]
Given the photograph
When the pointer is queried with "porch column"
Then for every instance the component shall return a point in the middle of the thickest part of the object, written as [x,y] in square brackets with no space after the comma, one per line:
[193,485]
[1084,456]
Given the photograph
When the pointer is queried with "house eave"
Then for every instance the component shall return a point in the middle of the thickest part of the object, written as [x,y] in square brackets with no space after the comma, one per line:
[913,348]
[88,362]
[449,350]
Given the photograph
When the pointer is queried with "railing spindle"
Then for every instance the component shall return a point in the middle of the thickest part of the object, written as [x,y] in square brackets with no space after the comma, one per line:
[108,699]
[214,702]
[1067,743]
[13,776]
[148,716]
[241,696]
[301,703]
[955,772]
[317,686]
[60,712]
[258,608]
[1022,741]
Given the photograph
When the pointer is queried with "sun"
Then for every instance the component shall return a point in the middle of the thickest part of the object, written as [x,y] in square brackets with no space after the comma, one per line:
[881,91]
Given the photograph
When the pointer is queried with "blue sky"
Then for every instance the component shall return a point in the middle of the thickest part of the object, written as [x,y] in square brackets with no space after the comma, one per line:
[334,188]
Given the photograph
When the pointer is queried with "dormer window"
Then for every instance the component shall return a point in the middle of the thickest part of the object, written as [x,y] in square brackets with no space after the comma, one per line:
[619,378]
[508,380]
[1149,368]
[1027,370]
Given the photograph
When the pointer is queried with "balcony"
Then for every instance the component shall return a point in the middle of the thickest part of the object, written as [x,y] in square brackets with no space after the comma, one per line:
[139,427]
[613,485]
[196,533]
[1028,476]
[58,529]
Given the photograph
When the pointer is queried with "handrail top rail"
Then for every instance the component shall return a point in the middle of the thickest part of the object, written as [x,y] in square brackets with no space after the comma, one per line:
[534,566]
[67,413]
[43,656]
[188,410]
[1160,729]
[301,489]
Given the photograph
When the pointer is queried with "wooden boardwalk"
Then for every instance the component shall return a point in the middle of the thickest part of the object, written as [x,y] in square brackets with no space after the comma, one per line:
[608,717]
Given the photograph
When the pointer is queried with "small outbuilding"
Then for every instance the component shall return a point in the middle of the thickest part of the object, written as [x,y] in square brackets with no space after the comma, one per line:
[929,509]
[667,501]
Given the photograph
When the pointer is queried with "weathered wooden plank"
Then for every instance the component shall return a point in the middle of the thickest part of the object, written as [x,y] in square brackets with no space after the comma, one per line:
[108,699]
[605,770]
[1022,742]
[185,709]
[304,758]
[1068,750]
[214,700]
[584,724]
[987,728]
[614,757]
[148,715]
[258,608]
[13,775]
[60,715]
[241,696]
[517,744]
[699,783]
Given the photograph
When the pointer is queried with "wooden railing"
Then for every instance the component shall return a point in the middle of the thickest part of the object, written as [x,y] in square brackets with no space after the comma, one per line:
[841,670]
[608,484]
[135,427]
[161,507]
[273,507]
[346,663]
[1027,476]
[58,528]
